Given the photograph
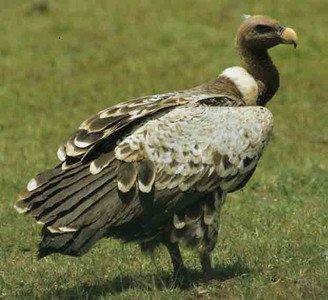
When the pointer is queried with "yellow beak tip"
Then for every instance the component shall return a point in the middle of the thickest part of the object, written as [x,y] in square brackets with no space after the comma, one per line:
[289,36]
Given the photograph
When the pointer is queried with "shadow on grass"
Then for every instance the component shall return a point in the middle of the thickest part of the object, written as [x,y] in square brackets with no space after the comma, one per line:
[153,282]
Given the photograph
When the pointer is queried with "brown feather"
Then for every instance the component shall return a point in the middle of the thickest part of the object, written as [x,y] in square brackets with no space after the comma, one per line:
[146,175]
[126,177]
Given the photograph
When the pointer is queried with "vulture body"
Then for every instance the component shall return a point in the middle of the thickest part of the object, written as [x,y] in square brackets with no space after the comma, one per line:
[156,170]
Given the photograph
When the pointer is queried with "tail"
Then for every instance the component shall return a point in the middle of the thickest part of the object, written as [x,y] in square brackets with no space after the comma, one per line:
[74,206]
[70,243]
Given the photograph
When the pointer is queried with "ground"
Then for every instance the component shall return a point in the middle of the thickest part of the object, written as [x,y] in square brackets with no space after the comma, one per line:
[61,61]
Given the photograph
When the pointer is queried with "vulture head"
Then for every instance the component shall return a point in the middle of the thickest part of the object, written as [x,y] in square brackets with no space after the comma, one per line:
[261,32]
[255,36]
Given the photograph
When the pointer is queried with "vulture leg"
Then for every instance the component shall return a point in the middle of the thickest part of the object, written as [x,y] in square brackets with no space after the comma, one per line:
[176,258]
[181,276]
[205,260]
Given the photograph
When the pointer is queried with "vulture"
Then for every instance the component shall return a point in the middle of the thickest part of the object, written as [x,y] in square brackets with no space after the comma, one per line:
[157,169]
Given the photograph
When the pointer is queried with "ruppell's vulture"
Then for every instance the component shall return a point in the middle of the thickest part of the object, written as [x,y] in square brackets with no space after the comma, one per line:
[157,169]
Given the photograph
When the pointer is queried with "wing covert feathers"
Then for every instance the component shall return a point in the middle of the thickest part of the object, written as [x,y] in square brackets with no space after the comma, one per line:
[110,121]
[218,92]
[200,147]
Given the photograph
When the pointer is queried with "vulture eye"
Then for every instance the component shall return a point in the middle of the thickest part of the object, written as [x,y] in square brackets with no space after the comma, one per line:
[262,28]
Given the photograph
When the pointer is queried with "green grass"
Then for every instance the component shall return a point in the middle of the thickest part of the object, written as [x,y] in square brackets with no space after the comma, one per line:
[61,64]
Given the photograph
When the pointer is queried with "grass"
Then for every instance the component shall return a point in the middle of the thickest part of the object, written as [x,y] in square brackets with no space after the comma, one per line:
[61,61]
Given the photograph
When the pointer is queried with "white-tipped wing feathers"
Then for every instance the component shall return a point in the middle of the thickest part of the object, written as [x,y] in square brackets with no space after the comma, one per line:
[114,119]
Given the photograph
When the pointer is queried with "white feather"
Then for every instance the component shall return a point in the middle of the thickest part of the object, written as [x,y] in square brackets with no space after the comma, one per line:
[53,229]
[61,153]
[66,229]
[60,229]
[20,210]
[143,188]
[81,144]
[32,185]
[245,83]
[93,169]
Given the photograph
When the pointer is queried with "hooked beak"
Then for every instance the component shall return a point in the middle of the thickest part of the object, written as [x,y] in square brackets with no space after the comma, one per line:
[288,36]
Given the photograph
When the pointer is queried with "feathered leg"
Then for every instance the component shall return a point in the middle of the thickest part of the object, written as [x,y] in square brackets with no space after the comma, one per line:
[212,211]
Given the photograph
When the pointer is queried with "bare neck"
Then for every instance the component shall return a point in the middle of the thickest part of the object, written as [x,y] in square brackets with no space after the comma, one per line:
[259,64]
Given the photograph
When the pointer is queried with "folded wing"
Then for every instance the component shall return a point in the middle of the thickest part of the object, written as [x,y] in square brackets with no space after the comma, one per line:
[116,176]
